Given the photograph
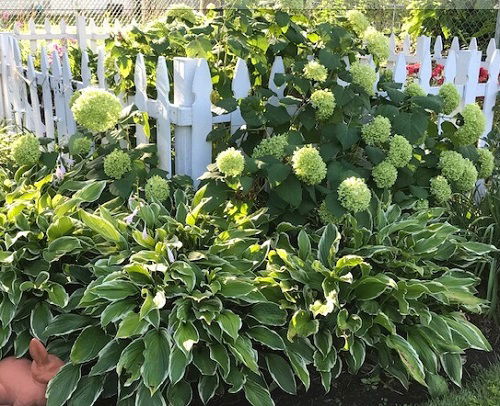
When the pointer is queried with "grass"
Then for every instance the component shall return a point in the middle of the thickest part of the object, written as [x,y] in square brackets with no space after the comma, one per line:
[483,390]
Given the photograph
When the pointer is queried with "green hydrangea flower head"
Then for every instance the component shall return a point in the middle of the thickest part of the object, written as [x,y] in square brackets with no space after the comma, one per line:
[272,146]
[421,204]
[308,165]
[413,89]
[354,195]
[325,216]
[324,103]
[385,174]
[377,44]
[364,76]
[117,164]
[157,189]
[486,163]
[80,145]
[230,162]
[450,97]
[182,11]
[358,21]
[468,180]
[315,71]
[6,140]
[400,151]
[440,189]
[377,132]
[96,110]
[452,165]
[26,150]
[473,127]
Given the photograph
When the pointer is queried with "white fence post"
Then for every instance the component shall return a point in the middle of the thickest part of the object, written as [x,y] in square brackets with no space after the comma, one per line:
[163,136]
[35,102]
[201,149]
[81,32]
[184,70]
[48,109]
[57,86]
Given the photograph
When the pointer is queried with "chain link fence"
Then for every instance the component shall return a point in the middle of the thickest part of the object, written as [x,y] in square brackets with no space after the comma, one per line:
[467,19]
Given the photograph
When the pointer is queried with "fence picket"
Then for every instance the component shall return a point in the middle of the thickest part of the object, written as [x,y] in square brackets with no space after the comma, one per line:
[241,88]
[490,93]
[101,75]
[48,107]
[56,83]
[277,67]
[19,84]
[455,45]
[35,102]
[140,98]
[425,72]
[163,136]
[85,69]
[201,149]
[438,48]
[490,51]
[67,82]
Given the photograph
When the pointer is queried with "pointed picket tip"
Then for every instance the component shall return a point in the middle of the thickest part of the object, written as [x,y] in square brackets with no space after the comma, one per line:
[438,48]
[277,67]
[140,72]
[56,64]
[450,67]
[473,44]
[241,85]
[66,67]
[455,44]
[491,49]
[44,61]
[162,80]
[494,68]
[202,81]
[400,73]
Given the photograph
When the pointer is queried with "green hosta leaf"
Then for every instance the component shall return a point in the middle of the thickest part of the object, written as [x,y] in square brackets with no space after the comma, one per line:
[179,394]
[437,384]
[452,364]
[59,228]
[357,352]
[91,192]
[115,290]
[145,398]
[470,333]
[281,373]
[62,246]
[40,319]
[257,394]
[108,357]
[155,369]
[207,387]
[186,335]
[65,324]
[302,325]
[202,361]
[243,350]
[57,295]
[101,226]
[116,311]
[267,337]
[328,245]
[269,314]
[131,326]
[88,390]
[219,354]
[408,356]
[373,286]
[424,351]
[235,288]
[229,322]
[304,245]
[132,358]
[88,344]
[62,386]
[177,365]
[300,368]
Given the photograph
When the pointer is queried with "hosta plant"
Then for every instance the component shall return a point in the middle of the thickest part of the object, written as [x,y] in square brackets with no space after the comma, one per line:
[388,296]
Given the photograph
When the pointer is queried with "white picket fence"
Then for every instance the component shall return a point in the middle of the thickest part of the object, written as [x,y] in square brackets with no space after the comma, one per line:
[39,100]
[85,33]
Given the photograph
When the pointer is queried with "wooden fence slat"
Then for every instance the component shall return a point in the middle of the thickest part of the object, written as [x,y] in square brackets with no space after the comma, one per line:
[201,149]
[455,45]
[48,107]
[450,67]
[85,69]
[163,136]
[399,73]
[101,75]
[56,83]
[425,72]
[35,102]
[184,69]
[490,51]
[491,92]
[438,48]
[67,81]
[19,83]
[241,87]
[140,98]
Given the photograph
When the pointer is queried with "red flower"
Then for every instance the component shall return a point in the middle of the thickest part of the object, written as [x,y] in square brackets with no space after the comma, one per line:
[483,75]
[412,68]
